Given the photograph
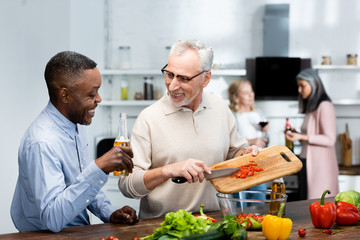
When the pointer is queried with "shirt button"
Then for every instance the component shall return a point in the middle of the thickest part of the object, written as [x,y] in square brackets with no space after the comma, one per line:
[87,201]
[101,182]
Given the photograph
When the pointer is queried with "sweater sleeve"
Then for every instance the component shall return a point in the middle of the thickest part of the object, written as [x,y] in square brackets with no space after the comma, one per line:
[324,133]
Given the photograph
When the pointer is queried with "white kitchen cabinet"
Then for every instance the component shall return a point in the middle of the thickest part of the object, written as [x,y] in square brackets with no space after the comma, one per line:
[349,182]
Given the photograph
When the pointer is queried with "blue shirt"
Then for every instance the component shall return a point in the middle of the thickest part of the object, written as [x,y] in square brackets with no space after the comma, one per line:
[57,182]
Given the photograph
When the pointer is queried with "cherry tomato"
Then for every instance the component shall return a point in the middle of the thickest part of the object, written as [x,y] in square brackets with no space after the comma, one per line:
[102,239]
[136,238]
[302,232]
[111,238]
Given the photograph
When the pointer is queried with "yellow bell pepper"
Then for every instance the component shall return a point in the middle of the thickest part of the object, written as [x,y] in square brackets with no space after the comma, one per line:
[276,227]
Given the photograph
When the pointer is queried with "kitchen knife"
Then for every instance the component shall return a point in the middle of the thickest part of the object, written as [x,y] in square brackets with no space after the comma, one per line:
[214,174]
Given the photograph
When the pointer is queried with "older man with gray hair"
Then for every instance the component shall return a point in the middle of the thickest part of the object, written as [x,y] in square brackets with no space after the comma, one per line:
[182,134]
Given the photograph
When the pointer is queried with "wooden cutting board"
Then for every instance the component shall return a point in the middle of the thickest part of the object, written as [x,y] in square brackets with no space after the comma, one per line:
[277,161]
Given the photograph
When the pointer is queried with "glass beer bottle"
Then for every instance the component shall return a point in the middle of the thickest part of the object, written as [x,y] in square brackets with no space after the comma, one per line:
[277,187]
[122,139]
[288,143]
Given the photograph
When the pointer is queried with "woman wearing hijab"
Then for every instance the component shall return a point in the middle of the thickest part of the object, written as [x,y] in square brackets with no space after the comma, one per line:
[318,136]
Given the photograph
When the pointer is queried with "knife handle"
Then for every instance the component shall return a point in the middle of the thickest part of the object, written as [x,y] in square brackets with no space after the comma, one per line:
[179,180]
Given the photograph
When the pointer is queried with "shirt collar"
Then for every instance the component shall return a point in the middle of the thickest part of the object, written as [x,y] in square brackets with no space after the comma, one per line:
[65,124]
[169,108]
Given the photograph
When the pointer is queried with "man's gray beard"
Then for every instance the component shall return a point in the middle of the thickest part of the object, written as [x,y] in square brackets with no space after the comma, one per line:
[184,102]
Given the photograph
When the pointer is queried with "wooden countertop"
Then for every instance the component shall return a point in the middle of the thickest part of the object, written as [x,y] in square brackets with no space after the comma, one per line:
[297,211]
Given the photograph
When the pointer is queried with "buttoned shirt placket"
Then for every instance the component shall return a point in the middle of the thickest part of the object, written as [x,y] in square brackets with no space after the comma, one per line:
[77,143]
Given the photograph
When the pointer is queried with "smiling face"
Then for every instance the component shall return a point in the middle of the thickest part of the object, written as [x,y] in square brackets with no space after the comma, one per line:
[304,88]
[186,93]
[84,97]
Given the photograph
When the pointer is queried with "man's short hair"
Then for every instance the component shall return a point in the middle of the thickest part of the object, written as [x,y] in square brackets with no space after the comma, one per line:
[64,69]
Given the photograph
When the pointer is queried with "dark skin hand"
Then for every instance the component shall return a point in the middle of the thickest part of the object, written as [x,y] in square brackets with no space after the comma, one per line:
[125,214]
[117,159]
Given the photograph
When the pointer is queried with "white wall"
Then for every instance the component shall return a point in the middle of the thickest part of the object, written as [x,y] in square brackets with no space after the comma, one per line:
[33,31]
[234,28]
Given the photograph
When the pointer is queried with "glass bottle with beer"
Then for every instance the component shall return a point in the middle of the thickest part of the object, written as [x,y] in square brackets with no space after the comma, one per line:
[277,187]
[122,139]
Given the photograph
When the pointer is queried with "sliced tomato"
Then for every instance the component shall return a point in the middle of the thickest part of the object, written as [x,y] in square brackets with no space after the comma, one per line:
[248,170]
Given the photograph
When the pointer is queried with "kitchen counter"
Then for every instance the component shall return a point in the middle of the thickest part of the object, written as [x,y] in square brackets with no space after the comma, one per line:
[297,211]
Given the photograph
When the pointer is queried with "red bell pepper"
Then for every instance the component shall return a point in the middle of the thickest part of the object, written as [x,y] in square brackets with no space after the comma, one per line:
[346,213]
[202,215]
[323,214]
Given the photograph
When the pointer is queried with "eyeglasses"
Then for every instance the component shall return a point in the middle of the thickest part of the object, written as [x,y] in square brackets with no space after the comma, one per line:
[169,76]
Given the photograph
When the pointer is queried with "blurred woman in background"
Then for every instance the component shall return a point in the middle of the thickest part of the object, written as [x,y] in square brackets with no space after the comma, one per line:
[318,136]
[242,99]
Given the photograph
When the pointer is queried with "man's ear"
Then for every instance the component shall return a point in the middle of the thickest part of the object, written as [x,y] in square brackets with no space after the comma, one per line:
[64,95]
[207,79]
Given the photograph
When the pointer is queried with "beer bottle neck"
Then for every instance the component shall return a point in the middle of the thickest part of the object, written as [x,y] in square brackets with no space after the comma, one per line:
[122,131]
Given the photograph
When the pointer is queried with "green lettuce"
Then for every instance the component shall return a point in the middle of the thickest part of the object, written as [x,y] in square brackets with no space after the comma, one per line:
[178,225]
[350,196]
[232,228]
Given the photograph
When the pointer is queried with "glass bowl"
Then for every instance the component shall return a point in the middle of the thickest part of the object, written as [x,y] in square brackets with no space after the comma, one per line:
[255,202]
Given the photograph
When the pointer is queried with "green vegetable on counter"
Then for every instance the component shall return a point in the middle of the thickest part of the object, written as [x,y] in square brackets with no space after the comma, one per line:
[228,228]
[210,235]
[350,196]
[178,225]
[232,228]
[255,225]
[239,234]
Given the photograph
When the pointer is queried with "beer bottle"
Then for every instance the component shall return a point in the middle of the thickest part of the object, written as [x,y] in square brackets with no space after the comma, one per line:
[122,139]
[288,143]
[277,187]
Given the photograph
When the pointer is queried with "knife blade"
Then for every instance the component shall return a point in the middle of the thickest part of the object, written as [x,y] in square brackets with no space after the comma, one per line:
[216,173]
